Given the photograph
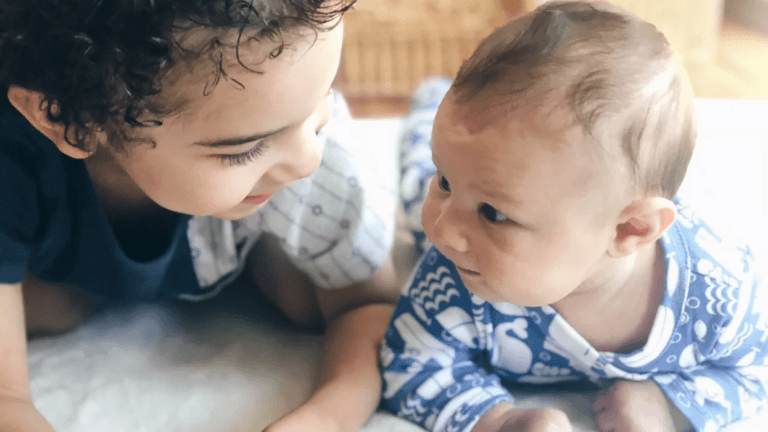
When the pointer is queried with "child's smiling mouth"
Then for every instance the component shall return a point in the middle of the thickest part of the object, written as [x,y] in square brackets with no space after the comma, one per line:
[257,199]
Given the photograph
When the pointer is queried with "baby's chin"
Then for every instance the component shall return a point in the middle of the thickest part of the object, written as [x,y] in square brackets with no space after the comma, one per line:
[492,295]
[481,290]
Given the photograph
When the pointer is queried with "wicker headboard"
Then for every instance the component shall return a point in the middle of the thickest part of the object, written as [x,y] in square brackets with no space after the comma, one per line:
[391,45]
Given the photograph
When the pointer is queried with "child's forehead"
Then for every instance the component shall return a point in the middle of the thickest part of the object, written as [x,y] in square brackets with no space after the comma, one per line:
[195,42]
[206,58]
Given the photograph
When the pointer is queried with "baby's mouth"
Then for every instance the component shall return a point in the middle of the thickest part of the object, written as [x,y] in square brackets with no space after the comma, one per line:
[467,272]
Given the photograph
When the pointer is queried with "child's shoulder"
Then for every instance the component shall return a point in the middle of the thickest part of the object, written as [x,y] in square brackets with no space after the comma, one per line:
[18,138]
[27,157]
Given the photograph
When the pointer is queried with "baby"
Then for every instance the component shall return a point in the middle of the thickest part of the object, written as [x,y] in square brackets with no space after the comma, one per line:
[561,252]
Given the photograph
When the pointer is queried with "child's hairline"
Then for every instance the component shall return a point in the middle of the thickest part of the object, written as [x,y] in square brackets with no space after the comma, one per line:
[194,59]
[118,98]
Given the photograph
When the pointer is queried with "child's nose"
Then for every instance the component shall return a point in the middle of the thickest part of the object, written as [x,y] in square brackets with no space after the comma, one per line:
[450,231]
[303,159]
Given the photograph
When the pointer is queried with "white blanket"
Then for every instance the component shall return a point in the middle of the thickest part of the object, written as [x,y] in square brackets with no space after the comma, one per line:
[223,366]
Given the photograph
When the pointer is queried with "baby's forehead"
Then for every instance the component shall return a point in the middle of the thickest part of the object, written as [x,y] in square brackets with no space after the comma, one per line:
[478,115]
[553,130]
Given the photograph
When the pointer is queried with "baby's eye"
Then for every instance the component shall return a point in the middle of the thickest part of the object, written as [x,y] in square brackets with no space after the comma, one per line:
[491,214]
[442,183]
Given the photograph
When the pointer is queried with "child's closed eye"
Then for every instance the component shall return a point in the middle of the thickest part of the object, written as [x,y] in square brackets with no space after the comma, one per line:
[246,156]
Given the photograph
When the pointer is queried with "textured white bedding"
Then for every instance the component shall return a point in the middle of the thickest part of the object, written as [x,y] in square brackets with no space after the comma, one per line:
[222,366]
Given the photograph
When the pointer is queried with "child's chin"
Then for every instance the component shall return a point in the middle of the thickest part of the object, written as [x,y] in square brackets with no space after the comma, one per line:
[237,213]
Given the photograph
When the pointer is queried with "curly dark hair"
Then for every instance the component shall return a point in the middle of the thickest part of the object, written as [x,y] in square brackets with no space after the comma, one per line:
[98,63]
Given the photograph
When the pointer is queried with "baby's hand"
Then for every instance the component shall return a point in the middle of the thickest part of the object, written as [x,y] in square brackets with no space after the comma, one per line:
[635,406]
[506,418]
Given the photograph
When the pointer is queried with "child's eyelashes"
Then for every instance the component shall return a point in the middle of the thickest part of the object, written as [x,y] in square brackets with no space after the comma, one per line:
[244,157]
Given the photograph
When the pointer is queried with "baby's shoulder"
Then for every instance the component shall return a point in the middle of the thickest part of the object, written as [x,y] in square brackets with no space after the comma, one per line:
[707,251]
[717,288]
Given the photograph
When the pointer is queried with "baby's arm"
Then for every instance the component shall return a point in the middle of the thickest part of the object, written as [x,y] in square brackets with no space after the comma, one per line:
[727,377]
[722,377]
[429,379]
[431,359]
[637,406]
[17,413]
[505,417]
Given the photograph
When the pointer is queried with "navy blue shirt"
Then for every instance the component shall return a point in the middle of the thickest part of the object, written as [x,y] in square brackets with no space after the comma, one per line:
[52,225]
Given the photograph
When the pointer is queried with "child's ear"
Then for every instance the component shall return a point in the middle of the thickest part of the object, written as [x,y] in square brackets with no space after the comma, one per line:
[641,223]
[28,103]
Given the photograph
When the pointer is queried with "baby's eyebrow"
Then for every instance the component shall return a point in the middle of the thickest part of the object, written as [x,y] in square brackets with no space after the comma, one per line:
[236,141]
[496,192]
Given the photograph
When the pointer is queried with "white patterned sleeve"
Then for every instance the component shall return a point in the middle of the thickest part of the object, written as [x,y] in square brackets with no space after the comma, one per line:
[337,225]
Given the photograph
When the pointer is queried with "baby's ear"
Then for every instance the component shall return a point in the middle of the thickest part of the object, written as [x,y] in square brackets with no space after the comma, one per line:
[641,223]
[29,104]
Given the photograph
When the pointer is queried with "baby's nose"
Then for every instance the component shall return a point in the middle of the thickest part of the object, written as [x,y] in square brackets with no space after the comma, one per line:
[449,232]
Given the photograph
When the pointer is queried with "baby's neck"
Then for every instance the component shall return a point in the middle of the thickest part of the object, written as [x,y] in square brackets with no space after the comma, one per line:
[624,298]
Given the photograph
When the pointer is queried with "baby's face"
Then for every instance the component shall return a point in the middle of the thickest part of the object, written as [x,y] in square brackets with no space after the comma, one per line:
[226,153]
[519,208]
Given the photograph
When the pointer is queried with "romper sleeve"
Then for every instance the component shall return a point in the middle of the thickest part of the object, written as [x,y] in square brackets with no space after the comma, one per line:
[338,225]
[18,214]
[724,373]
[432,352]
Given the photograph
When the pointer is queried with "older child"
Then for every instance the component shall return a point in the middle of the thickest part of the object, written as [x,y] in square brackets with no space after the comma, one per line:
[561,253]
[124,118]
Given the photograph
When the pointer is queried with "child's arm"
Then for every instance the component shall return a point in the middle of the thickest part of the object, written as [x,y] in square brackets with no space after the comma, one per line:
[350,384]
[357,317]
[17,413]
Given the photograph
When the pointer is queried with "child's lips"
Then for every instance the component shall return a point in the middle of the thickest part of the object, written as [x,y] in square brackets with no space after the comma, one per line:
[257,199]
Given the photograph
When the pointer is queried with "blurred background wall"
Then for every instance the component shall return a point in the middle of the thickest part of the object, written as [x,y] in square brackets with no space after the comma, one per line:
[391,45]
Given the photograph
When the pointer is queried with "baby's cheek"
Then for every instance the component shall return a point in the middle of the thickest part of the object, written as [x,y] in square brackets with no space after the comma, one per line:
[429,213]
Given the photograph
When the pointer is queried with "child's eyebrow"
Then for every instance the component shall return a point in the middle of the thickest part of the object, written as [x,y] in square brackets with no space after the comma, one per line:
[232,142]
